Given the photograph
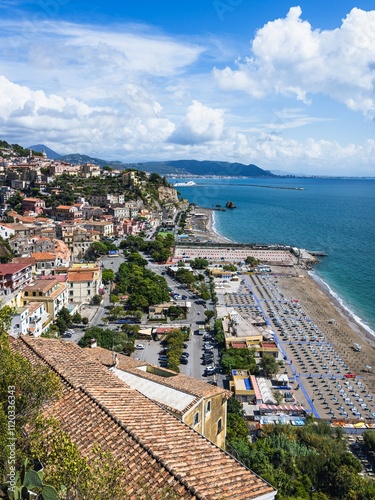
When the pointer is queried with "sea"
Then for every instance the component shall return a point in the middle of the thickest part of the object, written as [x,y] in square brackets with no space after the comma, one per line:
[332,215]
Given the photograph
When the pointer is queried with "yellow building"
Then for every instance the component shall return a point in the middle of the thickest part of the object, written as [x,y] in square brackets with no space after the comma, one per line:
[52,292]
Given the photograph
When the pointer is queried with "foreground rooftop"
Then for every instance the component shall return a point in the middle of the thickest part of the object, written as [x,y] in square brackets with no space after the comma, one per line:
[160,454]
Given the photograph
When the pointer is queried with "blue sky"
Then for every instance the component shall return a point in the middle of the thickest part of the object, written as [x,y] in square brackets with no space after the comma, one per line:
[287,86]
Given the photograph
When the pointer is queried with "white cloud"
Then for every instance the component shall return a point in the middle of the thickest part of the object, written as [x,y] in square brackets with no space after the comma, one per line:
[76,124]
[93,50]
[290,58]
[201,124]
[129,94]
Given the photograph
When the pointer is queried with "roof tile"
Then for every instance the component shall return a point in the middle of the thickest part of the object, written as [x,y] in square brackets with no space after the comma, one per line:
[157,450]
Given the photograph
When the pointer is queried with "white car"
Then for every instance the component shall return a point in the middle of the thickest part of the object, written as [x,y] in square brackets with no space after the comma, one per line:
[139,346]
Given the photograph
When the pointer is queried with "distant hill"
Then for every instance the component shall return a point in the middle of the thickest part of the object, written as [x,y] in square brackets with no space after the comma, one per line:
[78,159]
[177,167]
[49,152]
[194,167]
[170,168]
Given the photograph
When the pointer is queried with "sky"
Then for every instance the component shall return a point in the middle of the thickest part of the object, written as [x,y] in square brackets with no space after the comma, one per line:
[285,85]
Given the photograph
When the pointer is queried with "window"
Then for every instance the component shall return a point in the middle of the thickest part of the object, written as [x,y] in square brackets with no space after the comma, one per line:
[196,419]
[208,407]
[219,425]
[71,292]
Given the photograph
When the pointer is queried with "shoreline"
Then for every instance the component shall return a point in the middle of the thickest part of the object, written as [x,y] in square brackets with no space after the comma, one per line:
[353,321]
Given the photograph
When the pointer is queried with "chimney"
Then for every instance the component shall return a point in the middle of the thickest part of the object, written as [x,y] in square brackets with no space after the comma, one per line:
[115,359]
[93,343]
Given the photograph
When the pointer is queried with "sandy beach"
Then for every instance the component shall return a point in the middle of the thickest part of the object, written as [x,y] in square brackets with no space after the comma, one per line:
[318,365]
[209,233]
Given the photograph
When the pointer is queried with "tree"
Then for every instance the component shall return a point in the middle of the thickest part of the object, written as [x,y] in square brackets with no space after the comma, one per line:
[28,387]
[234,406]
[175,312]
[136,258]
[118,341]
[199,263]
[99,248]
[63,320]
[278,397]
[209,314]
[369,440]
[252,261]
[239,359]
[230,267]
[117,311]
[108,276]
[76,318]
[269,365]
[185,276]
[96,300]
[236,428]
[65,465]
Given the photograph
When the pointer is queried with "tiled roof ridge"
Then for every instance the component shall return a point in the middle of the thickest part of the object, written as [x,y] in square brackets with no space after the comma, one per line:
[23,339]
[176,474]
[166,382]
[123,426]
[145,446]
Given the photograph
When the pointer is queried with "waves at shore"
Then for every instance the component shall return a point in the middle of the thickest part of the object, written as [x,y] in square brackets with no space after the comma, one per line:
[212,227]
[320,282]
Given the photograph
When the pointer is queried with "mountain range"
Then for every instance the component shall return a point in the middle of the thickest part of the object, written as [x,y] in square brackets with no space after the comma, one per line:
[173,167]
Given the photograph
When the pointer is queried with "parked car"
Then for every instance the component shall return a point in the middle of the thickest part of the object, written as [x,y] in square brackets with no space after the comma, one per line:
[184,361]
[209,370]
[139,346]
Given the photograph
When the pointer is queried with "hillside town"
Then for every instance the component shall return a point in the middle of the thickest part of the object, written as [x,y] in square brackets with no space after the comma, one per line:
[177,349]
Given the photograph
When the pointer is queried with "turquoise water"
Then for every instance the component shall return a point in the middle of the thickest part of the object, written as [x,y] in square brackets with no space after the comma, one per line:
[332,215]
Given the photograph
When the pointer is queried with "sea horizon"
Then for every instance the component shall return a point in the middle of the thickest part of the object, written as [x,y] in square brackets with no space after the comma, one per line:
[331,213]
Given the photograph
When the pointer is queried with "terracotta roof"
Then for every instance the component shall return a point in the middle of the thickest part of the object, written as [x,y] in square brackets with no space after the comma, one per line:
[26,261]
[80,276]
[11,268]
[179,381]
[158,451]
[42,285]
[32,306]
[43,256]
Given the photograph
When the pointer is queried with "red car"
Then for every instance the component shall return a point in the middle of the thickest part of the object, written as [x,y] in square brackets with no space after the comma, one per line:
[350,375]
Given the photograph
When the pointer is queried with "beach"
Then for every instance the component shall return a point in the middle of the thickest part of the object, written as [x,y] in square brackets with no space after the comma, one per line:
[327,356]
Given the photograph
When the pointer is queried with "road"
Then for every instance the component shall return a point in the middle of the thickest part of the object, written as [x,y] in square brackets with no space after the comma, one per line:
[195,317]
